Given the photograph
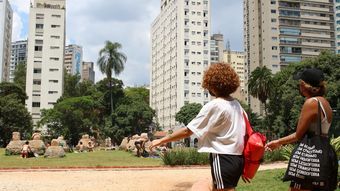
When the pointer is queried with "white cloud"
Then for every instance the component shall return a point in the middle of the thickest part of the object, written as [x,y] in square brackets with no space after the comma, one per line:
[91,22]
[17,27]
[20,5]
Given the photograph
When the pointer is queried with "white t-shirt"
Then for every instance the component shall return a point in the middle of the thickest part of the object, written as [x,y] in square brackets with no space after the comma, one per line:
[220,127]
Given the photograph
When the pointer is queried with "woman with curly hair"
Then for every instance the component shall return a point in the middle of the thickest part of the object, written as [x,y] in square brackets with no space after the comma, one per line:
[220,129]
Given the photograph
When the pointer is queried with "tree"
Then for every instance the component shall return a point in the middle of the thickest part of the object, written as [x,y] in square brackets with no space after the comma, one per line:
[110,59]
[104,94]
[13,117]
[14,90]
[20,75]
[71,85]
[138,92]
[188,112]
[73,117]
[261,84]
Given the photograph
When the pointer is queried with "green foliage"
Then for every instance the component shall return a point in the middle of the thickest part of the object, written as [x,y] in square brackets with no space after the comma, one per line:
[13,90]
[103,88]
[138,93]
[73,117]
[336,144]
[20,75]
[134,115]
[273,156]
[73,87]
[188,112]
[13,113]
[185,156]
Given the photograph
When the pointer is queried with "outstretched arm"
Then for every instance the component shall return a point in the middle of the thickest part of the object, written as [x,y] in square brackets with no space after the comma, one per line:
[177,135]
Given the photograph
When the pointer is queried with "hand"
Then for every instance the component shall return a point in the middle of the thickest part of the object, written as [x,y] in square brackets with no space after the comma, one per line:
[271,146]
[155,143]
[245,179]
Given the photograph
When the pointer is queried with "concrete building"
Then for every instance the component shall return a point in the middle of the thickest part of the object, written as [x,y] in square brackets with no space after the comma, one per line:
[337,24]
[45,59]
[180,53]
[237,61]
[88,72]
[216,48]
[73,59]
[19,55]
[6,21]
[279,32]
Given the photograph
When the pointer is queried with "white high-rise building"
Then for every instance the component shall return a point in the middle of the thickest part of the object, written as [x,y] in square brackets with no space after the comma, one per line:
[6,20]
[216,48]
[180,52]
[19,56]
[337,25]
[74,59]
[280,32]
[45,59]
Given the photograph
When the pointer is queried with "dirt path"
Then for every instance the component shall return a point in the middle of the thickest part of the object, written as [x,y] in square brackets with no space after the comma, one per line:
[167,179]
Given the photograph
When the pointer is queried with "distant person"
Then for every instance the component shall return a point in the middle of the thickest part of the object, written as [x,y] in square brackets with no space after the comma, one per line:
[91,146]
[26,149]
[81,147]
[220,128]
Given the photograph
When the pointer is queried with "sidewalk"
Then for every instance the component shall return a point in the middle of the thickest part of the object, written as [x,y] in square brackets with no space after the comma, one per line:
[120,179]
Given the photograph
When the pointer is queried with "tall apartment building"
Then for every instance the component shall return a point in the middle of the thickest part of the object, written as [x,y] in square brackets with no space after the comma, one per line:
[237,61]
[18,56]
[337,25]
[6,20]
[73,59]
[45,59]
[279,32]
[88,72]
[180,53]
[216,48]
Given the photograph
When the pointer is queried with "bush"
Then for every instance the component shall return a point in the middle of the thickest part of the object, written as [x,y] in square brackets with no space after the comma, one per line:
[276,155]
[185,156]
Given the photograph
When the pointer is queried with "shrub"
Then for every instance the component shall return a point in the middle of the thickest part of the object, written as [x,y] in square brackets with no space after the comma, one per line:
[276,155]
[185,156]
[335,142]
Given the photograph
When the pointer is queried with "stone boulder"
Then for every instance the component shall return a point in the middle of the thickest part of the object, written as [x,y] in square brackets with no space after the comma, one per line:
[85,139]
[55,150]
[14,147]
[37,146]
[123,144]
[63,144]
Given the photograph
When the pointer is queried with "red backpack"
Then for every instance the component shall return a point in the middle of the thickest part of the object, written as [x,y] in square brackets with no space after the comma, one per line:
[253,152]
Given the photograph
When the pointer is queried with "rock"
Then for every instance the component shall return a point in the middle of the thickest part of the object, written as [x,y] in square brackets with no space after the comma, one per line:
[63,143]
[123,144]
[36,136]
[37,146]
[15,136]
[54,152]
[85,143]
[14,147]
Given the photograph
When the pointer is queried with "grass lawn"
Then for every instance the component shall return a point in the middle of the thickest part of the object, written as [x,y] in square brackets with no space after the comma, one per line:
[265,180]
[89,159]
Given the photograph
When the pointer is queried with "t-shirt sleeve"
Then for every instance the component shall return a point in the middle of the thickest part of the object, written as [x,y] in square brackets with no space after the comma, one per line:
[205,120]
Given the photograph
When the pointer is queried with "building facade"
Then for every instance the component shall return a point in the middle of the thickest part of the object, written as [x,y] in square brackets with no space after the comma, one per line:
[279,32]
[88,72]
[237,60]
[337,25]
[45,59]
[18,56]
[216,48]
[6,22]
[73,59]
[180,53]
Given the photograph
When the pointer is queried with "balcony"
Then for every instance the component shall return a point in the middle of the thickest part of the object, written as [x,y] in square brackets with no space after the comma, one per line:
[316,26]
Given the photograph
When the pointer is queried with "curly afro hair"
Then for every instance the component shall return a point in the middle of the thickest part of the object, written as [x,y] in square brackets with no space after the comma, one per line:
[221,79]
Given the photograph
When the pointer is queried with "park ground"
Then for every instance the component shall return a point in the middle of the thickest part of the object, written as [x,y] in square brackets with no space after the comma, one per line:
[115,179]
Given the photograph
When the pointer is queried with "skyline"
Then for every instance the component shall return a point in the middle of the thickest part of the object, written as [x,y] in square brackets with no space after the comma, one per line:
[128,23]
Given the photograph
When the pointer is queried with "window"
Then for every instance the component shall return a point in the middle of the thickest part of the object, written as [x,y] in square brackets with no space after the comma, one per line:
[53,81]
[56,16]
[52,92]
[54,58]
[38,48]
[36,82]
[39,26]
[54,69]
[273,11]
[35,104]
[55,26]
[37,70]
[55,37]
[39,16]
[54,47]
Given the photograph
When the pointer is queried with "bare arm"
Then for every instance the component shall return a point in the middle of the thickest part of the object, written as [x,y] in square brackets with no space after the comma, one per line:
[177,135]
[308,114]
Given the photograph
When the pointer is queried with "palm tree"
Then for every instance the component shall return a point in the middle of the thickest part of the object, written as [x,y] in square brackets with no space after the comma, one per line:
[111,60]
[261,84]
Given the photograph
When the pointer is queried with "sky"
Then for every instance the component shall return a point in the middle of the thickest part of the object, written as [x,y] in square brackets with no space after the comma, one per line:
[89,23]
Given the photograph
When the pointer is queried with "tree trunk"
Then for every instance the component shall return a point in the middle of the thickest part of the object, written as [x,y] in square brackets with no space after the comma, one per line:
[111,100]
